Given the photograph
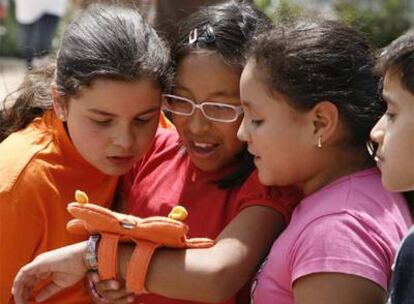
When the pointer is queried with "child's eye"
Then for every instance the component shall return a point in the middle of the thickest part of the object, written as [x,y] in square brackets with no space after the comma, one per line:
[256,122]
[143,119]
[102,122]
[390,116]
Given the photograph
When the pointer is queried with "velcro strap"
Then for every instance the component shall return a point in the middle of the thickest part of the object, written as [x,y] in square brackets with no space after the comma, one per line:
[138,266]
[108,256]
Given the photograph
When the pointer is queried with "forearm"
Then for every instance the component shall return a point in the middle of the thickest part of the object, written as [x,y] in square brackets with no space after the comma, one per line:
[213,274]
[184,274]
[206,275]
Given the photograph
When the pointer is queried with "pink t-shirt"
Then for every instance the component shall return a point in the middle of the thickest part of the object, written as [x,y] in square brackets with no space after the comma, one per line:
[166,177]
[351,226]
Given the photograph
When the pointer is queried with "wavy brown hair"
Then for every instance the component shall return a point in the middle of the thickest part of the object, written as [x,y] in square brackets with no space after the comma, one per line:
[103,42]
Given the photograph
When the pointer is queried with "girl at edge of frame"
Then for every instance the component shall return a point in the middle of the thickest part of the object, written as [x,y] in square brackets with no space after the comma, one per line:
[310,99]
[78,124]
[395,155]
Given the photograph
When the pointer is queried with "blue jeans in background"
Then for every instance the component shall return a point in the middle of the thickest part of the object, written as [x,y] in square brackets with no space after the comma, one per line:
[36,37]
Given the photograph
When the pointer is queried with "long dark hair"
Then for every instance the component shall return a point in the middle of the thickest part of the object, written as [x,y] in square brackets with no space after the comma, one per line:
[104,41]
[224,29]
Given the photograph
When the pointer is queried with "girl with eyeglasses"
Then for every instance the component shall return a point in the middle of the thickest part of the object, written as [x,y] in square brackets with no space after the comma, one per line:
[204,167]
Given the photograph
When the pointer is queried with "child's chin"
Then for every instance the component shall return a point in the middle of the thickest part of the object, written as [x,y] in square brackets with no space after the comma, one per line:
[396,185]
[265,179]
[113,171]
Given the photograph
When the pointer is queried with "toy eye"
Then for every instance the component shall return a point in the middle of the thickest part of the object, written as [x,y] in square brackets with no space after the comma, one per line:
[81,197]
[178,213]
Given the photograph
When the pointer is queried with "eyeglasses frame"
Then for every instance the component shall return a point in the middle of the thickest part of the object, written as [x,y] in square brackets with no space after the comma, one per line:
[238,109]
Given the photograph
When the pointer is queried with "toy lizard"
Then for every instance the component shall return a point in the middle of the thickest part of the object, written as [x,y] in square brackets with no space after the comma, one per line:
[148,234]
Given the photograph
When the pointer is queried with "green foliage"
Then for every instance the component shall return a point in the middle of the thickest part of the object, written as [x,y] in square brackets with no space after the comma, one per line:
[381,20]
[281,10]
[9,45]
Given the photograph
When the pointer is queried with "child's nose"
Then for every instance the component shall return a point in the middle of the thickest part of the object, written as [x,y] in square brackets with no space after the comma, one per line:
[377,133]
[242,131]
[198,123]
[124,138]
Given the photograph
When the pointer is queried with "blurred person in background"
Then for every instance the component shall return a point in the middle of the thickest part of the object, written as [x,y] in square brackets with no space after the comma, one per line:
[38,20]
[3,9]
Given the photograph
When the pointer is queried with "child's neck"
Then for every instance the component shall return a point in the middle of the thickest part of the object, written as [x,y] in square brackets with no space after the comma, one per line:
[338,165]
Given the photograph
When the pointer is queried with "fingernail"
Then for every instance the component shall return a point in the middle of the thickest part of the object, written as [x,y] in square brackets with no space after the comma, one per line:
[114,284]
[95,278]
[131,299]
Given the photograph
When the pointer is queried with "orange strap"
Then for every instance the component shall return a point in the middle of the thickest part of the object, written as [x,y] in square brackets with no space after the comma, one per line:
[138,266]
[108,256]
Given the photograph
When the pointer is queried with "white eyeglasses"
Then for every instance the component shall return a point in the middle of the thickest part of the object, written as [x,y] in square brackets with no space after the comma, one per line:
[211,110]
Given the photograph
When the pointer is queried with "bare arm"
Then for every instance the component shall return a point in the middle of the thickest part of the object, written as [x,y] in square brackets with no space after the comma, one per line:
[209,275]
[216,273]
[328,288]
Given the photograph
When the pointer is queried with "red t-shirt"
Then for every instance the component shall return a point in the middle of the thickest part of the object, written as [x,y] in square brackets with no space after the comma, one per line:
[165,177]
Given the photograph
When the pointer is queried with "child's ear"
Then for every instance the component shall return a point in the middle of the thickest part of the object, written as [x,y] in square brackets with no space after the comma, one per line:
[325,121]
[59,104]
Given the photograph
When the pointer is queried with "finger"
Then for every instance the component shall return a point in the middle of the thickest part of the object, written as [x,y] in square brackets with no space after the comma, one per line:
[116,295]
[23,284]
[96,298]
[47,291]
[93,276]
[108,285]
[125,300]
[22,296]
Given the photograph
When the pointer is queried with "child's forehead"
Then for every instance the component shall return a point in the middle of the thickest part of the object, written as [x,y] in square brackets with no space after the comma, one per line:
[394,91]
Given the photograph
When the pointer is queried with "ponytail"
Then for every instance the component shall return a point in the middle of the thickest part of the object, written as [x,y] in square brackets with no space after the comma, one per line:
[33,99]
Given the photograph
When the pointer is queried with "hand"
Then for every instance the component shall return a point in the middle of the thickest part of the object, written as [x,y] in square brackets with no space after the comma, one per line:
[64,266]
[109,291]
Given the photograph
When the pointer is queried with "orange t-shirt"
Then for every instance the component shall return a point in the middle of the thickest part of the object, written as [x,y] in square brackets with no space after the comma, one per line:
[40,170]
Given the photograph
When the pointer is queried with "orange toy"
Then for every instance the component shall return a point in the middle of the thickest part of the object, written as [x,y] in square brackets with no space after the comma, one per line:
[148,234]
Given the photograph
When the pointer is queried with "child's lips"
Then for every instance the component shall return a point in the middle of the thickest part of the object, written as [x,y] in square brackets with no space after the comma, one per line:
[202,149]
[256,159]
[121,160]
[379,160]
[253,154]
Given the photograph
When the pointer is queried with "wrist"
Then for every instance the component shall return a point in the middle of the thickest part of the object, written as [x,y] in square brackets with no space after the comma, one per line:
[90,256]
[76,256]
[125,251]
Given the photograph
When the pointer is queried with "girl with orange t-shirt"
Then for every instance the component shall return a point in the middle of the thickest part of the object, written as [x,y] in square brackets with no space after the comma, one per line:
[99,119]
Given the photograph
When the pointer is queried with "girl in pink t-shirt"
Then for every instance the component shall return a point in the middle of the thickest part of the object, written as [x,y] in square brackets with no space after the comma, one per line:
[310,100]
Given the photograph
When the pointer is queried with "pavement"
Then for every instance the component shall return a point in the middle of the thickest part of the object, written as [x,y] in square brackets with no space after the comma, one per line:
[12,71]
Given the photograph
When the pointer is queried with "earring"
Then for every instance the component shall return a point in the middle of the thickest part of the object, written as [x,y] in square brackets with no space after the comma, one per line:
[320,142]
[62,117]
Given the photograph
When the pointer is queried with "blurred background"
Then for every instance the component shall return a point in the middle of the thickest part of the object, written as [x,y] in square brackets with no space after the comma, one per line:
[381,20]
